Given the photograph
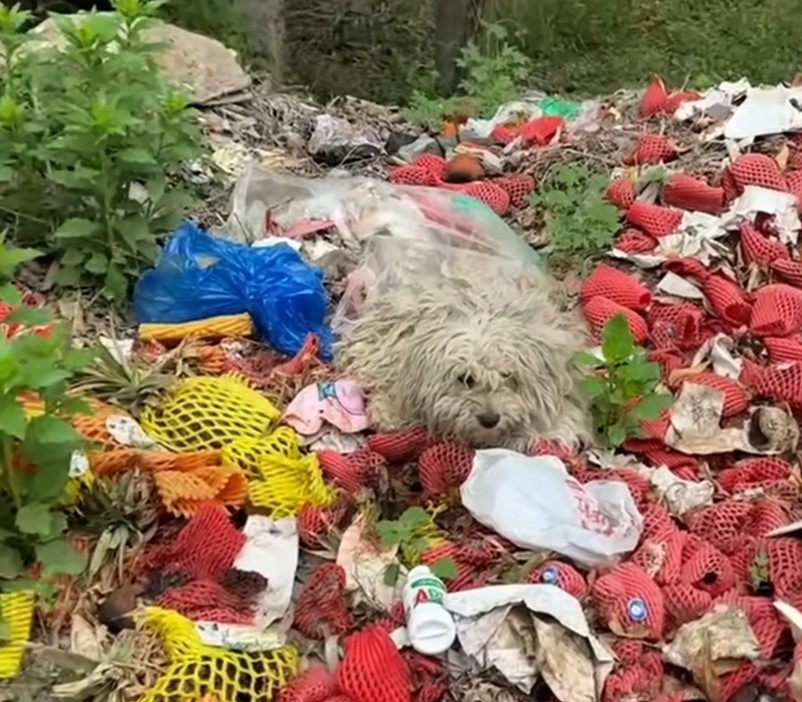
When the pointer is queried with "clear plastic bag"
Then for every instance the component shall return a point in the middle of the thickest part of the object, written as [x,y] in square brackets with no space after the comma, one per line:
[200,276]
[403,234]
[536,504]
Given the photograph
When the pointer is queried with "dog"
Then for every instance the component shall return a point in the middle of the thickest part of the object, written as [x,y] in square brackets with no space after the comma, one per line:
[484,363]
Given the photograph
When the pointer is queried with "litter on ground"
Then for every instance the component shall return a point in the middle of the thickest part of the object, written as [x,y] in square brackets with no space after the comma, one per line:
[292,515]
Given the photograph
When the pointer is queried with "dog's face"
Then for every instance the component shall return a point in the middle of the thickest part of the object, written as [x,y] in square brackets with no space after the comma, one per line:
[485,382]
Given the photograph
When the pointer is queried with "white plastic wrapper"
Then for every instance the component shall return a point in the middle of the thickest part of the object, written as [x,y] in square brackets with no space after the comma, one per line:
[536,504]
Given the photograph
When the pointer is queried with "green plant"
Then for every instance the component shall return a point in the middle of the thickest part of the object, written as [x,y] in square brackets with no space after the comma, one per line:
[91,134]
[411,534]
[495,70]
[578,220]
[623,387]
[429,111]
[122,511]
[36,449]
[116,380]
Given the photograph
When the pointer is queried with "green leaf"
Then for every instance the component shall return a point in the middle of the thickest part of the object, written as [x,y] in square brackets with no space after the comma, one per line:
[11,564]
[592,387]
[388,533]
[73,257]
[115,284]
[585,358]
[97,264]
[10,294]
[50,430]
[413,517]
[68,276]
[30,316]
[137,156]
[445,569]
[12,417]
[35,519]
[651,407]
[616,435]
[11,258]
[77,229]
[59,557]
[391,574]
[617,341]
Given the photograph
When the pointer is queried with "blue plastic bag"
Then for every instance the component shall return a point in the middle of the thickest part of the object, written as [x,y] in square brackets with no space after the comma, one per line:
[199,276]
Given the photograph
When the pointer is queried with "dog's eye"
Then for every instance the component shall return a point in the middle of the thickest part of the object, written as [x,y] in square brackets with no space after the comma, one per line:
[467,380]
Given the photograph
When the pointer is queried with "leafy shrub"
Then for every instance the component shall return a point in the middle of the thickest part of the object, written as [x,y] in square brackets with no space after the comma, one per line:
[90,136]
[578,220]
[623,386]
[36,449]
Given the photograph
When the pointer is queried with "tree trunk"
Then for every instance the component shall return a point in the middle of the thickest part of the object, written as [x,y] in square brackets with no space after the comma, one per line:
[452,20]
[265,33]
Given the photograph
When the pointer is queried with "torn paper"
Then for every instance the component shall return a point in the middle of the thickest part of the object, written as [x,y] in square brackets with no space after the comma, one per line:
[716,103]
[712,646]
[754,201]
[680,495]
[695,429]
[718,352]
[498,626]
[766,111]
[365,563]
[271,550]
[677,286]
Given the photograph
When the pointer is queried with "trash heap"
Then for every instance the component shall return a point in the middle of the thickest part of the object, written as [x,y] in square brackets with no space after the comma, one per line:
[286,530]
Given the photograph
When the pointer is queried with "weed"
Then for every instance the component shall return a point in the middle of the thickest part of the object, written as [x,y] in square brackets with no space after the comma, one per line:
[623,386]
[90,136]
[36,448]
[411,533]
[495,72]
[578,220]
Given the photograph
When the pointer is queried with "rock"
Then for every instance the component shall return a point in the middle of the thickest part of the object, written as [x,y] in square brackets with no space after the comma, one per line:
[203,66]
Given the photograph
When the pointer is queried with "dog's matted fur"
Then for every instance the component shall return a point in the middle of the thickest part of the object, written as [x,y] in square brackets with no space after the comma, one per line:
[485,365]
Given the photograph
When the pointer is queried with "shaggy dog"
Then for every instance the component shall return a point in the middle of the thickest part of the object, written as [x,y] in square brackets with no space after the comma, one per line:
[484,365]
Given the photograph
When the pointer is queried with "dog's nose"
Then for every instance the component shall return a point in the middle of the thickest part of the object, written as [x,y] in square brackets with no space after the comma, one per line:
[488,419]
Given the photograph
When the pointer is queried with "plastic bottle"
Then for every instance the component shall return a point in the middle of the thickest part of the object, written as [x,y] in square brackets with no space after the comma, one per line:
[430,626]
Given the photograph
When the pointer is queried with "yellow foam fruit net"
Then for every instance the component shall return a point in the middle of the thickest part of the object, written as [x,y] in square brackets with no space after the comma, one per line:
[287,484]
[247,453]
[229,325]
[195,669]
[206,413]
[17,611]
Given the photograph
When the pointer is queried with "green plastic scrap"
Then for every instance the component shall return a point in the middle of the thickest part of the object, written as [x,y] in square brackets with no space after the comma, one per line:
[554,107]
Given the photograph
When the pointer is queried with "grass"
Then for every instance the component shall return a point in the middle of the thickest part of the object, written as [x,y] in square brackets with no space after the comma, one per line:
[595,47]
[382,49]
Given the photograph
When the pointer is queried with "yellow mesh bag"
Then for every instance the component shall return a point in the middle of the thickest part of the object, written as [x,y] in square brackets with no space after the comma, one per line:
[247,453]
[287,484]
[229,325]
[195,670]
[206,413]
[17,610]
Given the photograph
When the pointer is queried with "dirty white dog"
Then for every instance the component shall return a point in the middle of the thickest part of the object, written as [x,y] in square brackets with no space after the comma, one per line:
[484,365]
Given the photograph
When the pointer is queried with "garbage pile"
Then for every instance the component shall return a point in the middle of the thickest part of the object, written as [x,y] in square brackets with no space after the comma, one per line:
[303,557]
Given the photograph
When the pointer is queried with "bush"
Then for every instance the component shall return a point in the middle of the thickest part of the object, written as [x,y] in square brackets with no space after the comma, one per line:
[36,448]
[91,136]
